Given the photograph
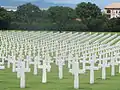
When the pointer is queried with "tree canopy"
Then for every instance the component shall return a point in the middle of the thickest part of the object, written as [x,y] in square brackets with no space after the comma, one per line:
[28,13]
[61,15]
[87,10]
[85,17]
[4,19]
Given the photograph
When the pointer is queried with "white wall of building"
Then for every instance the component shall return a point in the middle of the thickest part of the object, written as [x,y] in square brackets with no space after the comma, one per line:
[114,13]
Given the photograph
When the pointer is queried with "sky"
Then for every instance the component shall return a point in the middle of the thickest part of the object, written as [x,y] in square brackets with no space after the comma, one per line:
[75,1]
[100,3]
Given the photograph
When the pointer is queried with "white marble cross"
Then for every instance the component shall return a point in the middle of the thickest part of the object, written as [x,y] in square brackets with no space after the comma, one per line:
[13,63]
[76,71]
[92,67]
[104,64]
[27,63]
[21,69]
[70,57]
[48,62]
[112,65]
[18,66]
[2,63]
[22,75]
[8,61]
[83,61]
[35,65]
[44,68]
[60,63]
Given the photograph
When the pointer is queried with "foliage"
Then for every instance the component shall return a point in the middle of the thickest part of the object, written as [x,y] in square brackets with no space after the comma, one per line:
[113,25]
[61,15]
[4,19]
[85,17]
[95,24]
[28,13]
[88,10]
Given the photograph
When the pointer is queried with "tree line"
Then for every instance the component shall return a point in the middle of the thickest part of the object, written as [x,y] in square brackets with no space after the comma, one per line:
[86,16]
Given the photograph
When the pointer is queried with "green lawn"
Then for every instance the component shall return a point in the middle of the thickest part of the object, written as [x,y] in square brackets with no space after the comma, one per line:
[8,81]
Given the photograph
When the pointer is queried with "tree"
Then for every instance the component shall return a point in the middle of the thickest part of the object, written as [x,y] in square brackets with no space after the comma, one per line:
[28,13]
[4,19]
[61,15]
[88,10]
[75,26]
[95,25]
[91,16]
[113,25]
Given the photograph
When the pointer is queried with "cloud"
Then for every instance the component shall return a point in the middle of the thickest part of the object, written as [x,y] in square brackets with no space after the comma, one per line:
[78,1]
[26,0]
[74,1]
[64,1]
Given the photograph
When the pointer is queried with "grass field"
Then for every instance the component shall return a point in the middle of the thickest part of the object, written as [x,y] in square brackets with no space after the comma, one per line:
[8,81]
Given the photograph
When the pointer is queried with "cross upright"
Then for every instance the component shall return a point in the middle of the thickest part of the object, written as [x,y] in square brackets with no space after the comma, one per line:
[60,62]
[76,71]
[22,74]
[104,64]
[44,68]
[92,67]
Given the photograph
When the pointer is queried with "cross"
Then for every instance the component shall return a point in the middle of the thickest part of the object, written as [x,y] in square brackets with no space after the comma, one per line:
[18,66]
[27,60]
[22,74]
[34,51]
[20,69]
[92,60]
[118,60]
[2,63]
[104,64]
[70,56]
[35,65]
[83,61]
[60,62]
[44,68]
[13,63]
[8,61]
[48,61]
[25,50]
[112,63]
[76,71]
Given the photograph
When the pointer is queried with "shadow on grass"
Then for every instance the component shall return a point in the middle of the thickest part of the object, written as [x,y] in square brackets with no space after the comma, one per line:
[85,89]
[100,78]
[18,87]
[2,81]
[81,88]
[95,83]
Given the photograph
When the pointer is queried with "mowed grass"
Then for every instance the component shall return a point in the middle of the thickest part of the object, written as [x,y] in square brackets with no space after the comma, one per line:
[9,81]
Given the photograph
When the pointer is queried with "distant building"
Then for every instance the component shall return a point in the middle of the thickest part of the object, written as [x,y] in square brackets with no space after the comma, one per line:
[44,8]
[78,19]
[112,10]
